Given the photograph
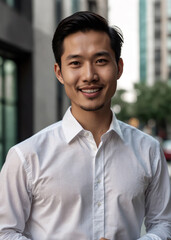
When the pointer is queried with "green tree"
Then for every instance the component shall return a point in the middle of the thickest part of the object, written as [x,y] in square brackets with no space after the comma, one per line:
[121,107]
[153,102]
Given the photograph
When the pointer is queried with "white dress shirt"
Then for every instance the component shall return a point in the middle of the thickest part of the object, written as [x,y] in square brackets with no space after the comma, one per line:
[57,185]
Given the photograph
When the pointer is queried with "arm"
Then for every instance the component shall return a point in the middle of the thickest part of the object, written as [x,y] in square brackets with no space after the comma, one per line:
[158,200]
[15,199]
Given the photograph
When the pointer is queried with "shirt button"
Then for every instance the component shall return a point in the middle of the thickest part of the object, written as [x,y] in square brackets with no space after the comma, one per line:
[99,204]
[99,181]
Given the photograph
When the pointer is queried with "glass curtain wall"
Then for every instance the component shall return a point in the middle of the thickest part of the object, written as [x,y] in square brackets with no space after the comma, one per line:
[142,33]
[12,3]
[8,106]
[75,5]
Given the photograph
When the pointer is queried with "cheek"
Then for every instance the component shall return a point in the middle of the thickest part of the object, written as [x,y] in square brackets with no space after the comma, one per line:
[112,87]
[111,79]
[110,73]
[112,84]
[70,78]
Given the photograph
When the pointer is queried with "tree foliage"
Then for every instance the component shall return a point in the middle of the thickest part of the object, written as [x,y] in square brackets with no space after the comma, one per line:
[121,107]
[152,102]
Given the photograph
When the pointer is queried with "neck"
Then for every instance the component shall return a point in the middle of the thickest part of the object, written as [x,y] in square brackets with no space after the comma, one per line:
[97,122]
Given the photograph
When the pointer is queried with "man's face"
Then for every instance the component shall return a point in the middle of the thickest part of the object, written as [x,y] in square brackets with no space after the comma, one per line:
[89,70]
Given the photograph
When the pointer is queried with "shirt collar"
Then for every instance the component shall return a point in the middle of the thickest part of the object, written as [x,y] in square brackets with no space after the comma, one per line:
[114,126]
[72,128]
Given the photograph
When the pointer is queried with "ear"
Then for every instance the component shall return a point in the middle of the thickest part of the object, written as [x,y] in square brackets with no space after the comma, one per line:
[58,73]
[120,67]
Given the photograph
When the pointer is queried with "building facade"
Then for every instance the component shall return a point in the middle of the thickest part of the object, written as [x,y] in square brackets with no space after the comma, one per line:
[155,40]
[30,96]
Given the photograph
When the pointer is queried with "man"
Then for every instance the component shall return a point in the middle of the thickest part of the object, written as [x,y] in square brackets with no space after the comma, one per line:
[89,176]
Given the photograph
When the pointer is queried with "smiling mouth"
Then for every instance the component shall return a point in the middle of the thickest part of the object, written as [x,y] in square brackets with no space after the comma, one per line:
[90,90]
[91,93]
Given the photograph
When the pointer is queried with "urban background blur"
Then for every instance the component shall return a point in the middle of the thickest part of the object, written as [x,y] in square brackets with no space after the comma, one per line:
[30,96]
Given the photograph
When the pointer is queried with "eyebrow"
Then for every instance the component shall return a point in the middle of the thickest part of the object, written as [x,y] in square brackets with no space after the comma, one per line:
[71,56]
[102,53]
[98,54]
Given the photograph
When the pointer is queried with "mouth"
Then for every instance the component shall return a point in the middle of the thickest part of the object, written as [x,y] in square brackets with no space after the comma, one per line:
[91,92]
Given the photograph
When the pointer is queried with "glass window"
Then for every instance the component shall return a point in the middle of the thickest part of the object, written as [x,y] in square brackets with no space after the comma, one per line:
[75,5]
[1,62]
[10,135]
[58,10]
[169,27]
[8,106]
[169,43]
[1,115]
[169,8]
[10,81]
[143,40]
[92,6]
[169,60]
[12,3]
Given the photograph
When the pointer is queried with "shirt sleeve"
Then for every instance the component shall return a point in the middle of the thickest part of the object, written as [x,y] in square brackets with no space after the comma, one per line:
[15,198]
[150,236]
[158,199]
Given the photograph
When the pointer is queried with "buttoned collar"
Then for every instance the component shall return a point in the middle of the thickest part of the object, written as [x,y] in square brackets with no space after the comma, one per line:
[72,128]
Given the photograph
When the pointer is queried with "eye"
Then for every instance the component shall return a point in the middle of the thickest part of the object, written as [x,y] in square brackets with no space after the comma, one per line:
[75,63]
[101,61]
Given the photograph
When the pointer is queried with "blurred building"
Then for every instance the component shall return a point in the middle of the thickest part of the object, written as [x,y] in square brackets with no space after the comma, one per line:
[30,96]
[155,40]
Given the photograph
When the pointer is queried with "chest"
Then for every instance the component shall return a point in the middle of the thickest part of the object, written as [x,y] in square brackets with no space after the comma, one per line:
[80,175]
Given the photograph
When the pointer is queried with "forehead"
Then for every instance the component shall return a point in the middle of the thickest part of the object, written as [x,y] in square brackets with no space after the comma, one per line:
[85,42]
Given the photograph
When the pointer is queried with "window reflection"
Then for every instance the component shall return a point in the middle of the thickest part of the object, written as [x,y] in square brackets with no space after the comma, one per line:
[8,106]
[1,126]
[1,78]
[75,5]
[169,8]
[12,3]
[10,81]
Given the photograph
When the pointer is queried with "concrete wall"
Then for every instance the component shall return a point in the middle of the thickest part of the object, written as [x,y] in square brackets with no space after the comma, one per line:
[45,85]
[102,7]
[15,30]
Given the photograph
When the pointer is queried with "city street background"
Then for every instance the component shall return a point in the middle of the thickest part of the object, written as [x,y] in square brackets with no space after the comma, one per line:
[30,96]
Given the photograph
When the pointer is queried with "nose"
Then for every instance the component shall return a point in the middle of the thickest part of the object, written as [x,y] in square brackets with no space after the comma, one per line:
[89,73]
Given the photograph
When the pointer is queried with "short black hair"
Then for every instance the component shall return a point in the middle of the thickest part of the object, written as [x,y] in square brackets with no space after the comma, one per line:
[84,21]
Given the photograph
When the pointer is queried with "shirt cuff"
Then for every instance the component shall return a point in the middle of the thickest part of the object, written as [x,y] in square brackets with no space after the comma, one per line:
[149,236]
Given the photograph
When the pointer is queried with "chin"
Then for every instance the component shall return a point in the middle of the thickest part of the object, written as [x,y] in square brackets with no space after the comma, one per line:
[92,109]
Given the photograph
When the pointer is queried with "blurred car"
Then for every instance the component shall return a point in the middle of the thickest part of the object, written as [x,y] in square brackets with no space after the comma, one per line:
[167,149]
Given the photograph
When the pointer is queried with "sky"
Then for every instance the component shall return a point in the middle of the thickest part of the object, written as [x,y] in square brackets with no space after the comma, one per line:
[124,14]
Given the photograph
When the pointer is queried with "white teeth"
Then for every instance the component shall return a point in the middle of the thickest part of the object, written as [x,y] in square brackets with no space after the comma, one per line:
[90,90]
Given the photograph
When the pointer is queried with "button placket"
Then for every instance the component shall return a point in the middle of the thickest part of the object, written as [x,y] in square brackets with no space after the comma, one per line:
[98,196]
[91,142]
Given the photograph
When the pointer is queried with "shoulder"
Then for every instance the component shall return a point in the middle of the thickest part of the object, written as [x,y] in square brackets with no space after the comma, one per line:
[144,147]
[134,136]
[41,140]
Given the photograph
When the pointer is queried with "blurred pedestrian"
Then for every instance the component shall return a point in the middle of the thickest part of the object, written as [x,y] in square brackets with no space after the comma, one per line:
[88,176]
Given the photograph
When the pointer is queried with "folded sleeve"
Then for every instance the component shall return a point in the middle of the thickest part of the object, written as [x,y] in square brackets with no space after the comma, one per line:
[15,197]
[158,199]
